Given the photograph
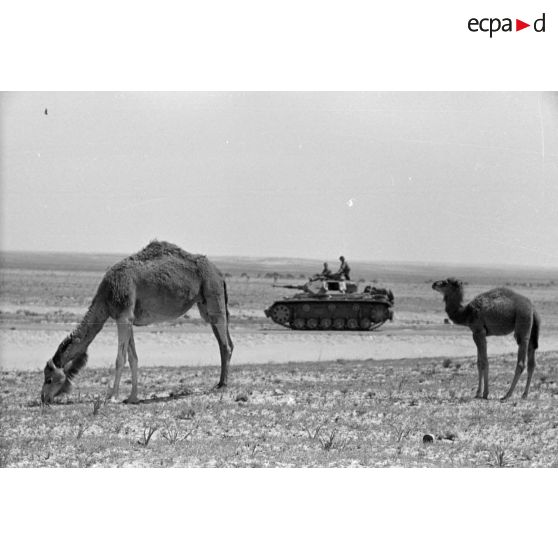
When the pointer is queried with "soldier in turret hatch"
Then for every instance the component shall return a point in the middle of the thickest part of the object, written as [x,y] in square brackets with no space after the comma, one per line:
[324,274]
[344,269]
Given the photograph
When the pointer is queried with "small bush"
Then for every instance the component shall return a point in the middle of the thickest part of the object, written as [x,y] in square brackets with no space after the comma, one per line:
[148,432]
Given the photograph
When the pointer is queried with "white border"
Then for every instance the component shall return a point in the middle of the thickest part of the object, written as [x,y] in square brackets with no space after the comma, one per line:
[287,45]
[256,512]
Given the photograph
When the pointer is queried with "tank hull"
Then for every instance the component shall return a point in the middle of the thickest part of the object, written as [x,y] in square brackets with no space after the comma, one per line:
[340,312]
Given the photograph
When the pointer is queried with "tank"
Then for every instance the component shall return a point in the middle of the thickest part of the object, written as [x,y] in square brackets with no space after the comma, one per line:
[333,305]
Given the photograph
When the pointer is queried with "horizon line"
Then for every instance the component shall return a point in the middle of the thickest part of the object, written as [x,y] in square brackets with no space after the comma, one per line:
[309,259]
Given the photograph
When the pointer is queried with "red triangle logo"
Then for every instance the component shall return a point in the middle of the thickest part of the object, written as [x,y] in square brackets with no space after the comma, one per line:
[519,25]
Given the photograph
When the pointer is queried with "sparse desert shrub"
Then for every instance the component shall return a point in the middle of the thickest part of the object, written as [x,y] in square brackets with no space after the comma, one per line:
[82,428]
[172,434]
[498,455]
[98,402]
[314,432]
[446,363]
[253,448]
[400,431]
[148,432]
[327,441]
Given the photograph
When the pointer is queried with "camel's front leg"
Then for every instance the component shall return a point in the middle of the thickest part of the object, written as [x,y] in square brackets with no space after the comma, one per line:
[124,329]
[482,363]
[521,355]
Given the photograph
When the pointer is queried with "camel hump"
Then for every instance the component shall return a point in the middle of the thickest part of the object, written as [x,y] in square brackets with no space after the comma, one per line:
[165,255]
[159,249]
[499,298]
[504,295]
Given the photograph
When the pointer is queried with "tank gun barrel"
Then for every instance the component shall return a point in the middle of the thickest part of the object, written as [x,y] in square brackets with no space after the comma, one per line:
[297,287]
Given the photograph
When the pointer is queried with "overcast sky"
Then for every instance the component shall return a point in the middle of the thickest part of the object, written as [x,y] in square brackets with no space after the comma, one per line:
[428,177]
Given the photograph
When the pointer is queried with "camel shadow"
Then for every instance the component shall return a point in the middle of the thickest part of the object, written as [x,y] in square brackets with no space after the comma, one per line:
[81,401]
[183,394]
[173,396]
[163,398]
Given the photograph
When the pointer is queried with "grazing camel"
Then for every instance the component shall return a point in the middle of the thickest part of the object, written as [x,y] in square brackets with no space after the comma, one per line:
[496,312]
[159,283]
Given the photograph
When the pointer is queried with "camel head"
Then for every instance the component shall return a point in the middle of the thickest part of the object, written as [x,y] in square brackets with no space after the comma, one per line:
[56,383]
[59,380]
[448,286]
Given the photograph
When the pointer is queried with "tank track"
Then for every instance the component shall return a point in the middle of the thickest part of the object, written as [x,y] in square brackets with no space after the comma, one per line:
[291,315]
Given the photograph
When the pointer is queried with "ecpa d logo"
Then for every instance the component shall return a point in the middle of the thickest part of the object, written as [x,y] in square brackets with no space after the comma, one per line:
[493,25]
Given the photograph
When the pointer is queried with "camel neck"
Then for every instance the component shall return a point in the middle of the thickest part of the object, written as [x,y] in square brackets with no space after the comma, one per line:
[455,309]
[77,342]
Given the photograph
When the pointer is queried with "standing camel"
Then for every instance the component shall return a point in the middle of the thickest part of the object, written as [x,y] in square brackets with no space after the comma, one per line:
[159,283]
[496,312]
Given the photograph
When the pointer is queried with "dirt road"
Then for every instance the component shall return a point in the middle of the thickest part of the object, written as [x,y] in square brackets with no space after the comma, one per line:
[28,347]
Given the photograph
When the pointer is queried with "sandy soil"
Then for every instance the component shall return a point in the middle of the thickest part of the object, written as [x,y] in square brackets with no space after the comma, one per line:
[29,346]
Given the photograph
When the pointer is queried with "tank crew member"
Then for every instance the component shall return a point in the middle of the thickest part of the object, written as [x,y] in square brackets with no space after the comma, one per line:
[326,272]
[344,269]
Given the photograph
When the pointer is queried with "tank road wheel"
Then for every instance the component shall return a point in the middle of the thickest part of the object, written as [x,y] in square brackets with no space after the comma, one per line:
[281,314]
[312,323]
[326,323]
[299,323]
[365,323]
[339,323]
[352,323]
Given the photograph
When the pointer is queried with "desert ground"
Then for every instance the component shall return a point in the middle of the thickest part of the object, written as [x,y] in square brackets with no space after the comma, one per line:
[400,396]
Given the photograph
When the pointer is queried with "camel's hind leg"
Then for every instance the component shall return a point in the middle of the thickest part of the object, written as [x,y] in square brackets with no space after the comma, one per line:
[523,343]
[133,360]
[482,363]
[124,328]
[226,347]
[533,346]
[530,368]
[217,316]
